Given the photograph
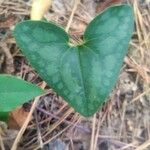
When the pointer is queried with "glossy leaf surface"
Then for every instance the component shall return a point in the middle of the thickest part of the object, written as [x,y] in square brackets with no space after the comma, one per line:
[85,74]
[14,92]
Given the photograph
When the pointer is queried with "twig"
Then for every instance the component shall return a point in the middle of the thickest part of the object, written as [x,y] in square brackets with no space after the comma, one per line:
[72,14]
[54,137]
[59,122]
[38,130]
[138,69]
[93,133]
[100,121]
[139,96]
[127,146]
[23,128]
[144,145]
[9,59]
[65,121]
[122,119]
[96,134]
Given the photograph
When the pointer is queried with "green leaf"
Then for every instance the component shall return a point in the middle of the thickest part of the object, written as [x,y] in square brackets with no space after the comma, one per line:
[4,116]
[85,74]
[14,92]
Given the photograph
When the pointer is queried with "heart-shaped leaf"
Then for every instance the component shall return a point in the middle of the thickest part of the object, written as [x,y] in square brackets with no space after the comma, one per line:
[14,92]
[85,74]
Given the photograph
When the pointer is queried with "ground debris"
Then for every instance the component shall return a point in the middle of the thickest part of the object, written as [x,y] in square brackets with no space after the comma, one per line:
[7,59]
[122,123]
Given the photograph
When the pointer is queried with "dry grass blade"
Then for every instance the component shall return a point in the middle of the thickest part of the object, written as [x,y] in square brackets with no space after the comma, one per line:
[127,146]
[142,71]
[55,125]
[100,121]
[23,128]
[55,136]
[139,96]
[76,2]
[38,131]
[93,132]
[144,145]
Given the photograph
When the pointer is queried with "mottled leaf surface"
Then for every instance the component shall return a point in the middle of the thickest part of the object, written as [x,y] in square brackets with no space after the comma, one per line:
[14,92]
[83,75]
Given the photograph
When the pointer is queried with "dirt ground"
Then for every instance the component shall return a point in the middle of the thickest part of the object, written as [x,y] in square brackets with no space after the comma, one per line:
[123,123]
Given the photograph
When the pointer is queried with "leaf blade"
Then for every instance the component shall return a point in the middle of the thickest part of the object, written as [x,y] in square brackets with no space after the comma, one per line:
[80,74]
[14,92]
[110,43]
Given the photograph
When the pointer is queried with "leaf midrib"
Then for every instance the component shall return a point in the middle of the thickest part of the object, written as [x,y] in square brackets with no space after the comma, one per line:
[82,79]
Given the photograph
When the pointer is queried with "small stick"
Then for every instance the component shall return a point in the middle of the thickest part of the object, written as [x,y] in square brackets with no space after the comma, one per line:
[140,95]
[65,121]
[38,130]
[93,133]
[143,146]
[72,14]
[23,128]
[54,137]
[100,121]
